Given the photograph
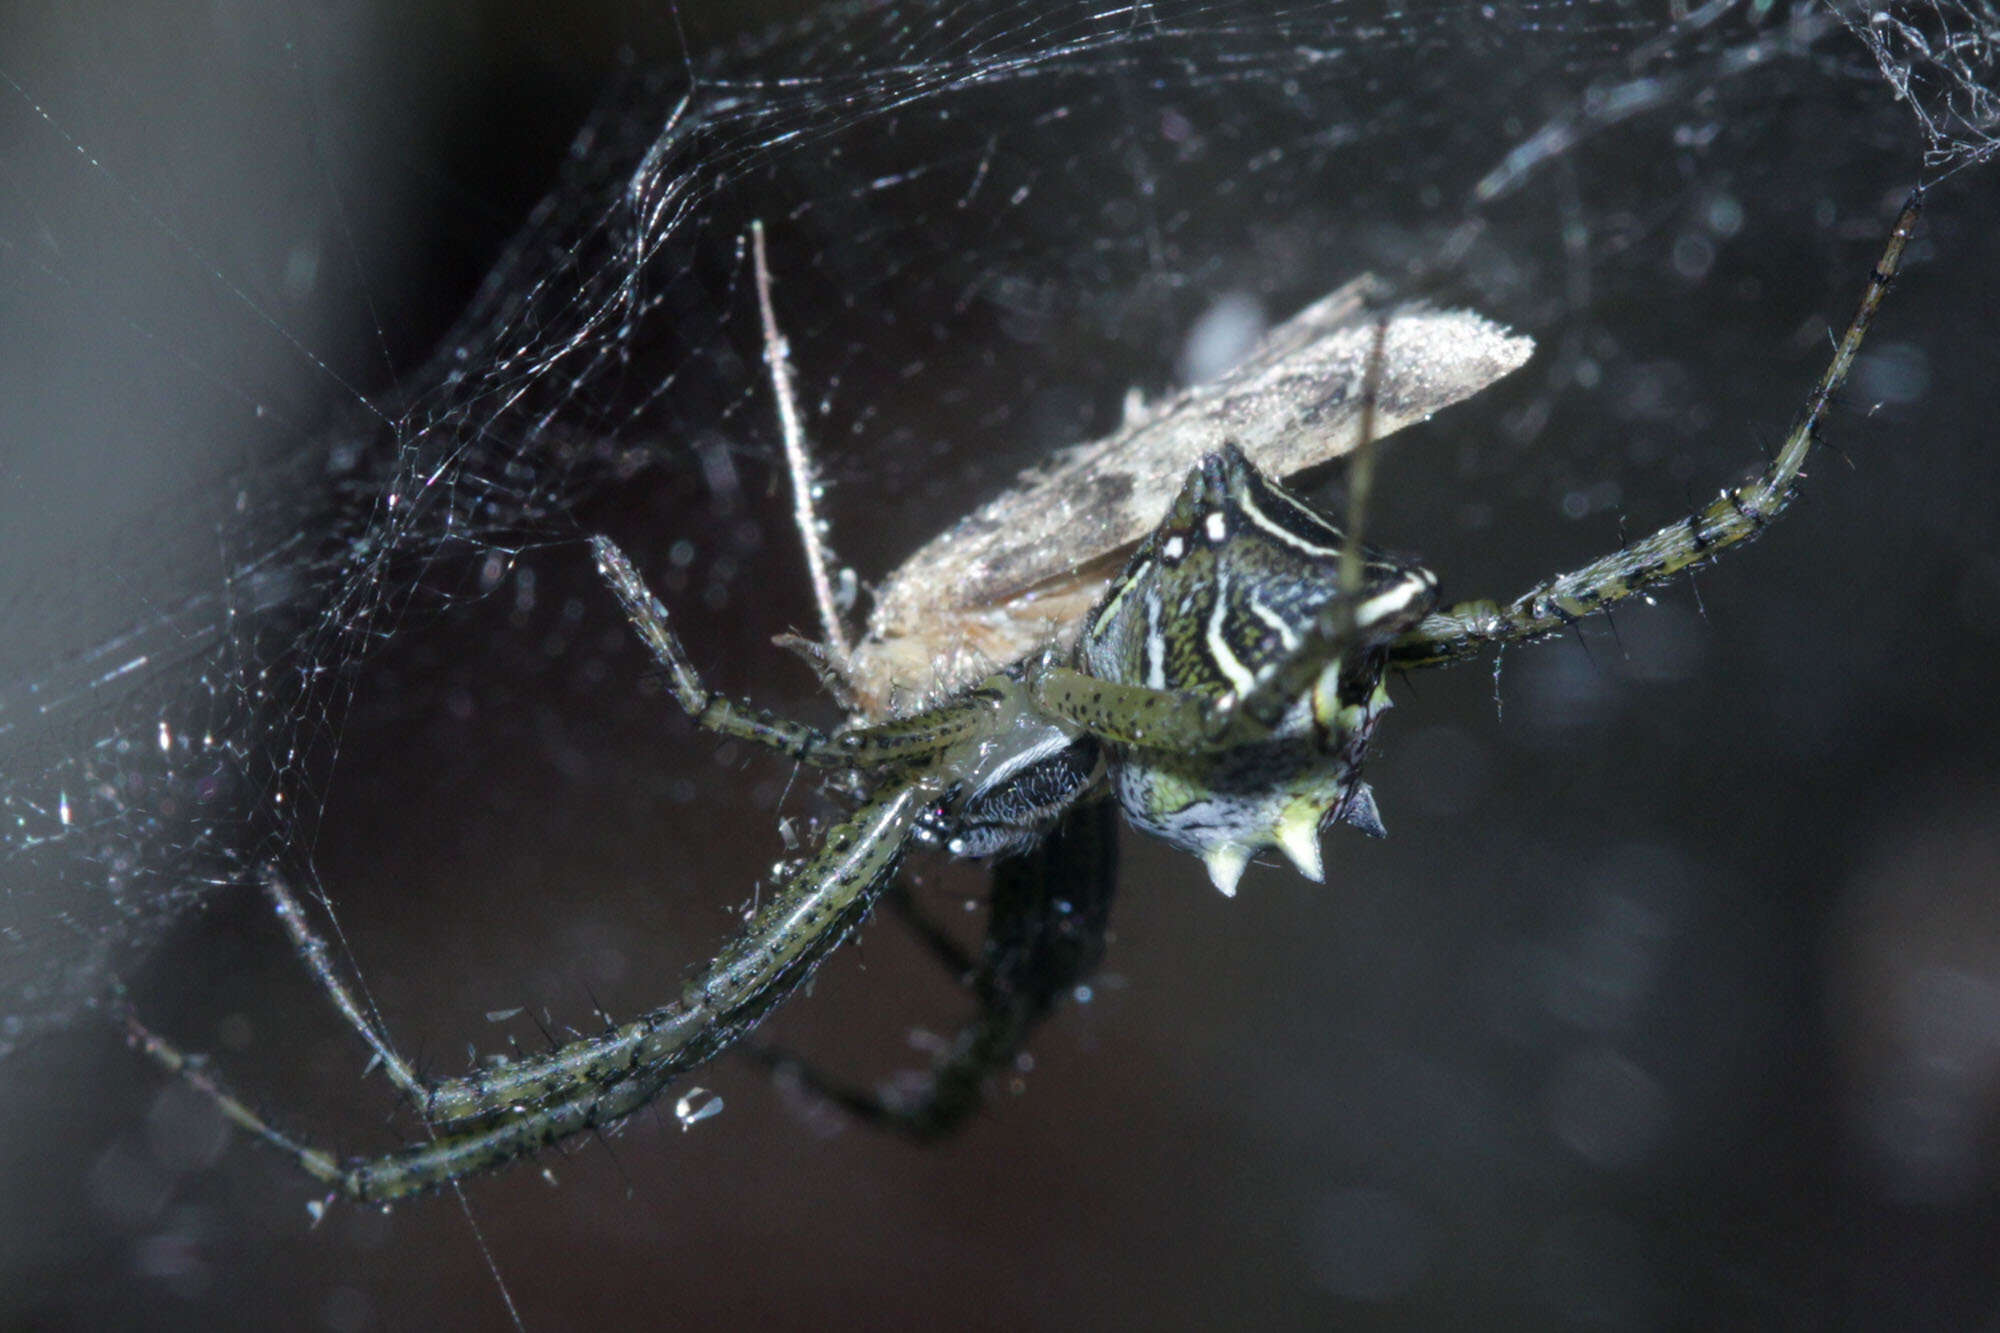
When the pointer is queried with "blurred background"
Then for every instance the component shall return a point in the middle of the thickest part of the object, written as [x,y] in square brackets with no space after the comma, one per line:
[1673,997]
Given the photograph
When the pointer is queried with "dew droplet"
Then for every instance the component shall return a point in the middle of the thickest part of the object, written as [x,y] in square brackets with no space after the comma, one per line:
[696,1105]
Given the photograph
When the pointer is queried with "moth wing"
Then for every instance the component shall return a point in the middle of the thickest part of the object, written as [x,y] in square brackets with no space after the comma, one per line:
[1016,573]
[1294,402]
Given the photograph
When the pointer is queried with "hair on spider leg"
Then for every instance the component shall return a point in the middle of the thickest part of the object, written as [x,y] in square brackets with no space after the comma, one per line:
[610,1150]
[548,1034]
[1575,627]
[1611,623]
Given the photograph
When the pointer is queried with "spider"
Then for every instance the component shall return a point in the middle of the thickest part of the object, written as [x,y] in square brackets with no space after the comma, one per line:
[1222,689]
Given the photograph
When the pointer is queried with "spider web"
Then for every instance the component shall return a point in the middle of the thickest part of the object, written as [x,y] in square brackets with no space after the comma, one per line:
[240,488]
[170,726]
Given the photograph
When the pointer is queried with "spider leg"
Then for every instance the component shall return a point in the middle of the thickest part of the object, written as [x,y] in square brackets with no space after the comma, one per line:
[902,740]
[709,709]
[1169,719]
[1349,627]
[506,1112]
[1126,714]
[313,950]
[319,961]
[1044,938]
[1734,517]
[321,1165]
[949,954]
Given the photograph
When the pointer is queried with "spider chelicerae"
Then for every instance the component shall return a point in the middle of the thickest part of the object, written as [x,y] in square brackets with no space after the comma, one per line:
[1221,686]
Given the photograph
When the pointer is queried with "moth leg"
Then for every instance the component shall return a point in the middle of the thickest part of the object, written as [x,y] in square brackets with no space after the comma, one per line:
[510,1110]
[833,661]
[1044,939]
[1734,517]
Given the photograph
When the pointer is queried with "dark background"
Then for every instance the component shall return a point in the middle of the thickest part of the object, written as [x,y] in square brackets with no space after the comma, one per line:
[1673,998]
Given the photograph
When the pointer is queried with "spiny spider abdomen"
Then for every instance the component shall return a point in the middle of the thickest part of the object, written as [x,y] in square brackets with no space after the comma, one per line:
[1240,581]
[1236,594]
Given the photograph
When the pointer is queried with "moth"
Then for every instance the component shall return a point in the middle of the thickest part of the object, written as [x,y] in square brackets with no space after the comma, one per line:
[1018,573]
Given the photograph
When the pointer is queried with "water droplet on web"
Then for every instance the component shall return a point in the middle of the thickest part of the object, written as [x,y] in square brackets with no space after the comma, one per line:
[696,1105]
